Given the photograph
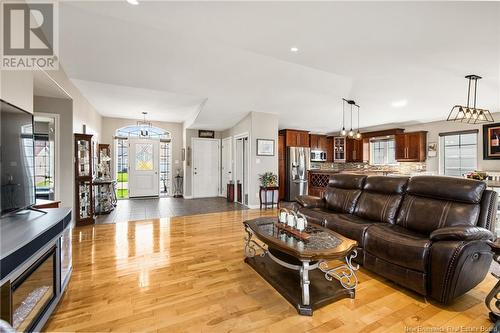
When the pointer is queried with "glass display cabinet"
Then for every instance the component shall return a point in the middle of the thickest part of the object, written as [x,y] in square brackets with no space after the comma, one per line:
[339,145]
[84,213]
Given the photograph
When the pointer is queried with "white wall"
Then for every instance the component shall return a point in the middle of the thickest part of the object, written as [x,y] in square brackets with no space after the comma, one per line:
[63,108]
[110,125]
[83,111]
[16,87]
[434,128]
[258,125]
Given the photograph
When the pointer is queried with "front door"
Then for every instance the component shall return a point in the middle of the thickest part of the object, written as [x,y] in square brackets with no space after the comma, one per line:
[206,172]
[143,165]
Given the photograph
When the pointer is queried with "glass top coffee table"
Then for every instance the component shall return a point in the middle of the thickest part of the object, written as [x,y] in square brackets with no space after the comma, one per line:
[282,253]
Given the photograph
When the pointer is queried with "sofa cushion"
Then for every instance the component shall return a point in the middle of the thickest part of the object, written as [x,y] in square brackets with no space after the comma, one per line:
[347,181]
[403,276]
[350,226]
[381,198]
[447,188]
[343,192]
[424,215]
[398,245]
[315,215]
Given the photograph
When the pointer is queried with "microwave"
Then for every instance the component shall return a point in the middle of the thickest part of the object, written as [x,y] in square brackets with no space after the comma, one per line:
[318,156]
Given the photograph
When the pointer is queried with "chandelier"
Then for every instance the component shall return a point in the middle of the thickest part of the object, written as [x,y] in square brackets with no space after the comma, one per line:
[351,134]
[468,114]
[144,125]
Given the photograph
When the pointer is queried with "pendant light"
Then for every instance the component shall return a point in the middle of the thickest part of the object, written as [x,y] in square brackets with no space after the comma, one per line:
[144,125]
[468,114]
[351,132]
[343,131]
[358,133]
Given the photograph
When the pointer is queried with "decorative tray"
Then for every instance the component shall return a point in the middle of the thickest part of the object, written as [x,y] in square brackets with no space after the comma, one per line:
[299,234]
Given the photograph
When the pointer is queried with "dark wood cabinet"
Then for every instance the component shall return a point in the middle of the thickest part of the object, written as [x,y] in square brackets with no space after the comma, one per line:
[84,198]
[411,147]
[317,183]
[318,142]
[354,150]
[314,141]
[296,138]
[329,149]
[281,165]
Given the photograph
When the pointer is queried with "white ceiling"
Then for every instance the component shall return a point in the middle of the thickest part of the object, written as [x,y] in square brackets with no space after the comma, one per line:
[210,63]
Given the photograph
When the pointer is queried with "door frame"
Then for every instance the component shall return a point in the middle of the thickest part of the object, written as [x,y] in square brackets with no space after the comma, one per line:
[236,137]
[57,150]
[231,162]
[218,162]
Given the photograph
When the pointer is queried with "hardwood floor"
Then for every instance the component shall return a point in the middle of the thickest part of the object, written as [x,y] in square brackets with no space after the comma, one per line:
[186,274]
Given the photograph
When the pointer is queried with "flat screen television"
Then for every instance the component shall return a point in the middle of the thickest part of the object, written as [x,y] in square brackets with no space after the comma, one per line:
[17,161]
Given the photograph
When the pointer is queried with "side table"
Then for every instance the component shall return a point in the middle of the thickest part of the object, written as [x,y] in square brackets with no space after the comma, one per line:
[263,200]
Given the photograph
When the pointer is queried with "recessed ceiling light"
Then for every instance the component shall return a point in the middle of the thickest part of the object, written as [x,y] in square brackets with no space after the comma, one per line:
[400,103]
[133,2]
[294,49]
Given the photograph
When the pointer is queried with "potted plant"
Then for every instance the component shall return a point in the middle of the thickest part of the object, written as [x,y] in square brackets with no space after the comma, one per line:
[268,179]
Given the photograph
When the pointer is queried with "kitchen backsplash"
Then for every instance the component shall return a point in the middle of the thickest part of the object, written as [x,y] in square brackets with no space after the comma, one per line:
[402,168]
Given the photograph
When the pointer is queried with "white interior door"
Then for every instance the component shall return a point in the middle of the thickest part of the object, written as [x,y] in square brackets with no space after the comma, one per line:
[143,165]
[227,164]
[206,171]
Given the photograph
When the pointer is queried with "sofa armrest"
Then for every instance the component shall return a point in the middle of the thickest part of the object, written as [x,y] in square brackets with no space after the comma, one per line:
[462,233]
[308,201]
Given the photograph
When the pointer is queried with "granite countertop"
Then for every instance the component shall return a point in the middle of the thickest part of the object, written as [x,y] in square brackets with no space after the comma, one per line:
[19,229]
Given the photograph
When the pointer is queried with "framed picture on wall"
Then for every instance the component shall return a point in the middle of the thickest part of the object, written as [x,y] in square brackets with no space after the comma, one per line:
[265,147]
[206,134]
[491,141]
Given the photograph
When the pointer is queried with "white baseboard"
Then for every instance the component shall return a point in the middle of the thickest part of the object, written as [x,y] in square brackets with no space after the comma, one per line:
[253,206]
[188,197]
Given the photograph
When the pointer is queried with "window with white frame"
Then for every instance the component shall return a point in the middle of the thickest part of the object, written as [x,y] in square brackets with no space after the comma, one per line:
[382,151]
[459,152]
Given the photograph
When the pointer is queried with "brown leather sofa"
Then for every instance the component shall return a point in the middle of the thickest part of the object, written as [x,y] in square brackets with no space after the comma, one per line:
[427,233]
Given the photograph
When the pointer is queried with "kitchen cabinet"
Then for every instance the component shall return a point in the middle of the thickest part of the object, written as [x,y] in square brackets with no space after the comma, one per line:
[318,181]
[339,154]
[329,149]
[354,150]
[411,146]
[314,141]
[296,138]
[318,142]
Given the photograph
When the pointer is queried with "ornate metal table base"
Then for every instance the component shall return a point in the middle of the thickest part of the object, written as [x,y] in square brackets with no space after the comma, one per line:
[319,284]
[492,299]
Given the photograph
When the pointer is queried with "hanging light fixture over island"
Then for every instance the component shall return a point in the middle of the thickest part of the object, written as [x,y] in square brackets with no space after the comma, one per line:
[468,114]
[351,134]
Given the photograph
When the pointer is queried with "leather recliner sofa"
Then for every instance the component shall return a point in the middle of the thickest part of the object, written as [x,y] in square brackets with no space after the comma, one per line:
[426,233]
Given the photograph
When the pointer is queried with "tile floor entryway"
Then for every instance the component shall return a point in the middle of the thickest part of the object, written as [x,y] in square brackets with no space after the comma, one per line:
[150,208]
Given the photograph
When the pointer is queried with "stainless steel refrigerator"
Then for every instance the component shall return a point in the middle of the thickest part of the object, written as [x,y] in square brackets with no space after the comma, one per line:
[298,161]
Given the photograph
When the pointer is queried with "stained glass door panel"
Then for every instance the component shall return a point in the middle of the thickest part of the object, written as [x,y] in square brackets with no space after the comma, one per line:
[144,157]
